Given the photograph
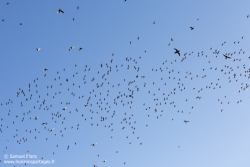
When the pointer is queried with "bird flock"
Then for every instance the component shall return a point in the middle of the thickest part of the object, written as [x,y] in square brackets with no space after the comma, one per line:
[120,98]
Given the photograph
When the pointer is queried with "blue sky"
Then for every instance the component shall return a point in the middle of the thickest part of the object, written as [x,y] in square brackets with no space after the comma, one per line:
[142,89]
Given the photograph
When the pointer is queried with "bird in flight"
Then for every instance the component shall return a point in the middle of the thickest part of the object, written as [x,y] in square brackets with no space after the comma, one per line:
[80,49]
[45,70]
[186,121]
[94,144]
[72,47]
[60,11]
[226,57]
[177,51]
[192,28]
[38,49]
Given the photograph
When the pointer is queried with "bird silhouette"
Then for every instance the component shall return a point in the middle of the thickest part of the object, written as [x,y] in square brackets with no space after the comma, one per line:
[177,51]
[60,11]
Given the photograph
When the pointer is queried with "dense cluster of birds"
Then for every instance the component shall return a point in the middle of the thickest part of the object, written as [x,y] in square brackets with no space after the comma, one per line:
[103,96]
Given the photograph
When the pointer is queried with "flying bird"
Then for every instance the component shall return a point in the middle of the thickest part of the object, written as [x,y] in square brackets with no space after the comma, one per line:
[38,49]
[177,51]
[192,28]
[186,121]
[72,47]
[94,144]
[60,11]
[226,57]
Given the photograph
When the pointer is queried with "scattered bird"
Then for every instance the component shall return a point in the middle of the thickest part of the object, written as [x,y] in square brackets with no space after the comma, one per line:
[192,28]
[38,49]
[60,11]
[71,48]
[94,144]
[226,57]
[177,51]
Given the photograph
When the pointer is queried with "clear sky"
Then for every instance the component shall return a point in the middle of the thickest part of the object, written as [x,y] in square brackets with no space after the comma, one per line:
[126,89]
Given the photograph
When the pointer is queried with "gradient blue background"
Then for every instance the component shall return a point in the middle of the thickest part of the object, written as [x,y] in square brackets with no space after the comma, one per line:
[217,133]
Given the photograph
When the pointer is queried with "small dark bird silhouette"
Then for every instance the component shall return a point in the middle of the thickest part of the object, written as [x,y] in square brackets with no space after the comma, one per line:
[226,57]
[60,11]
[177,51]
[192,28]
